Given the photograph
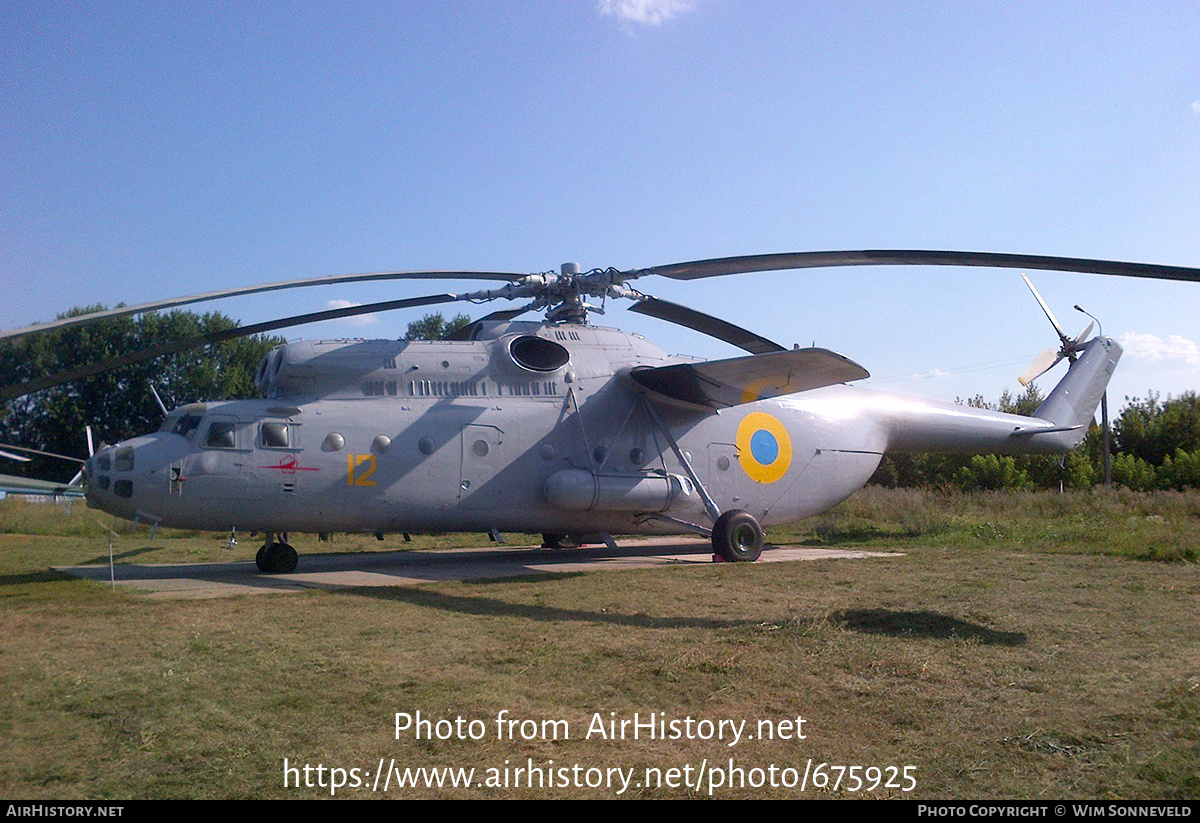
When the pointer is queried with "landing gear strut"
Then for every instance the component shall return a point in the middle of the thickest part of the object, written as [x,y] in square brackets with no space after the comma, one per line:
[276,557]
[737,537]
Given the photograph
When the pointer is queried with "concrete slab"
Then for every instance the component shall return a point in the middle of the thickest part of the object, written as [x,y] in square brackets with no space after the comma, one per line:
[401,568]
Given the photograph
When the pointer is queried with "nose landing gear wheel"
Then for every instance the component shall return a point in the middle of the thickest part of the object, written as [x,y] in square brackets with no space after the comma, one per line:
[737,537]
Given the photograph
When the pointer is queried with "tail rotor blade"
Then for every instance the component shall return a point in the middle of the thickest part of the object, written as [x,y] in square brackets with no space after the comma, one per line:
[1062,335]
[1083,335]
[1041,364]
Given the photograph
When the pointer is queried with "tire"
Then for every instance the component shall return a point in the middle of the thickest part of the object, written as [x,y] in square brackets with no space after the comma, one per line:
[560,541]
[285,559]
[280,558]
[260,560]
[737,537]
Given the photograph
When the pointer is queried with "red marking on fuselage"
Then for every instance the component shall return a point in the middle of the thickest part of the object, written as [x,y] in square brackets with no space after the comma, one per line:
[290,465]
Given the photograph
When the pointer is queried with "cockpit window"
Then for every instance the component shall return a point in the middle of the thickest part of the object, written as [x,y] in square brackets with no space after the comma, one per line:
[187,424]
[222,434]
[274,435]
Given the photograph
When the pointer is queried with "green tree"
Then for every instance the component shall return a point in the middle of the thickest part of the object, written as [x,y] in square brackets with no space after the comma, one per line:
[992,472]
[1132,472]
[117,404]
[435,327]
[1180,471]
[1152,429]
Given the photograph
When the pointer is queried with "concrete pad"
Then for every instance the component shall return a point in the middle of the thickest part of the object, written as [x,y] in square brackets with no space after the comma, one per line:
[341,571]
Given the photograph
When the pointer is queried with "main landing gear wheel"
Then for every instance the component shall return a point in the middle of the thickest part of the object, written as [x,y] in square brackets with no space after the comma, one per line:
[276,558]
[737,537]
[561,541]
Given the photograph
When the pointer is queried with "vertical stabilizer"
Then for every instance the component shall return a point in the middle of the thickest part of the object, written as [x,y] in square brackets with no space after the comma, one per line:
[1072,403]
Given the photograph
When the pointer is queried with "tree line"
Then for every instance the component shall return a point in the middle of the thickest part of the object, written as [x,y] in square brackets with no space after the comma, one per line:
[116,404]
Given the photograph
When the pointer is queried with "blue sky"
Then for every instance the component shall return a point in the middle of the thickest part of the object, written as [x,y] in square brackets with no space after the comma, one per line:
[155,149]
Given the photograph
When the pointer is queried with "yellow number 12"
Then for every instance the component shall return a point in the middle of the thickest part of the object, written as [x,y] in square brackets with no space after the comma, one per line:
[356,473]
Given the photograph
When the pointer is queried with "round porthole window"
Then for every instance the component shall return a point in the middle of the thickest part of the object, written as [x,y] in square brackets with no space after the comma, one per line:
[334,442]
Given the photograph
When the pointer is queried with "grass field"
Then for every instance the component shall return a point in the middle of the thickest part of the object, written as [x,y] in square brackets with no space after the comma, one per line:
[1024,646]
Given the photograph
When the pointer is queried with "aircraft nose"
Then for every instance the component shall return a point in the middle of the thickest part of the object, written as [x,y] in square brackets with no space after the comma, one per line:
[97,475]
[108,475]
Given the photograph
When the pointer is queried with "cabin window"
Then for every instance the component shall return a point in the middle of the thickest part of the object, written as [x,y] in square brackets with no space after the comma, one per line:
[274,435]
[123,461]
[187,424]
[334,442]
[222,434]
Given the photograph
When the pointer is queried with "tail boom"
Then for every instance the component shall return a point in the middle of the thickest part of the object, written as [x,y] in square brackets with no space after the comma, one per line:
[1058,425]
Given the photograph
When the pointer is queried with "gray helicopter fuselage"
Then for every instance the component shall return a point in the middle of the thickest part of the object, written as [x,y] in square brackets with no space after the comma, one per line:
[536,428]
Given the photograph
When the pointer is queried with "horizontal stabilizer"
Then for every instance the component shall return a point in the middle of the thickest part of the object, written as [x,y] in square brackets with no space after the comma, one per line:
[718,384]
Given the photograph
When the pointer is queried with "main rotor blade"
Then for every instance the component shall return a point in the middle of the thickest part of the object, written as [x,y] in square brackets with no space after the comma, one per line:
[38,452]
[467,332]
[125,311]
[129,358]
[706,324]
[827,259]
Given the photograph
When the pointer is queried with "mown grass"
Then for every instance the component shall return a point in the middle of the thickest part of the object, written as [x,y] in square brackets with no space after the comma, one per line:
[1017,649]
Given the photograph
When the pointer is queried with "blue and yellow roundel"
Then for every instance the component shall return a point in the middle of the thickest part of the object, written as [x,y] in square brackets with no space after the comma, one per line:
[764,447]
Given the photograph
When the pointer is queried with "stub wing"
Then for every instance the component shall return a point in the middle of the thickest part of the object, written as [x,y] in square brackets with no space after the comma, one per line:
[719,384]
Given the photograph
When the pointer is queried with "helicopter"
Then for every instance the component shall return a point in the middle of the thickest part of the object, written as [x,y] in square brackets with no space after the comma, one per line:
[557,426]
